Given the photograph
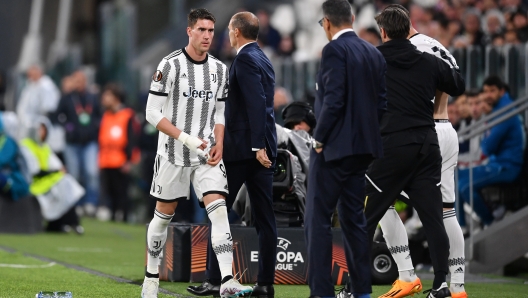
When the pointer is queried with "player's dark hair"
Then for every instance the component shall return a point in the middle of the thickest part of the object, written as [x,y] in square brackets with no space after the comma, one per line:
[338,12]
[400,7]
[247,23]
[395,22]
[494,80]
[199,14]
[116,91]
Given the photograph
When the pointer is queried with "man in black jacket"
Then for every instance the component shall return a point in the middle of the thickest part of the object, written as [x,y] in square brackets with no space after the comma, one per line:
[412,159]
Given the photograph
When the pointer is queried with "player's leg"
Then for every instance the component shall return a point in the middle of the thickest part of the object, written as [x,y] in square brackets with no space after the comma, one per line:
[448,141]
[210,183]
[395,236]
[170,183]
[426,197]
[386,178]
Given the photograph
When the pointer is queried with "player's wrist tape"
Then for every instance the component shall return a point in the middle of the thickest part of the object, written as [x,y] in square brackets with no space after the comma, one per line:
[183,137]
[191,142]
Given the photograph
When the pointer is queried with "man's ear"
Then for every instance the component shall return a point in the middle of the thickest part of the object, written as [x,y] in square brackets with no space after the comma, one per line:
[189,31]
[383,34]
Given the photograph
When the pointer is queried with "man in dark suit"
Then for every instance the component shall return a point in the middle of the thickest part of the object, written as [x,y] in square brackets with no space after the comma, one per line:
[349,101]
[250,148]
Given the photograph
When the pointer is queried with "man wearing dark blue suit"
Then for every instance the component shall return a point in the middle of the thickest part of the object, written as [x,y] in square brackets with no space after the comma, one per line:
[250,147]
[349,101]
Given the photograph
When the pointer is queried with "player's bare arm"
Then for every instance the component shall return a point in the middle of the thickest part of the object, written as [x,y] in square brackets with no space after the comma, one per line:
[440,105]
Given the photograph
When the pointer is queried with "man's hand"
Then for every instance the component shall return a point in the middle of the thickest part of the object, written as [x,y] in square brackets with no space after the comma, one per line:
[262,157]
[215,154]
[319,150]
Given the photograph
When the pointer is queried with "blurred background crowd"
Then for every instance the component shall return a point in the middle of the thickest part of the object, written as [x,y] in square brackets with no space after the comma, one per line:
[86,66]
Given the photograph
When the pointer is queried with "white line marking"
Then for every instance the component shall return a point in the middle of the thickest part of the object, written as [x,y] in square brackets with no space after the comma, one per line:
[20,266]
[83,249]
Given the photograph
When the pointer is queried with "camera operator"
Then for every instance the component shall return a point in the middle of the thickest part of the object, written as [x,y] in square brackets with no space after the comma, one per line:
[295,136]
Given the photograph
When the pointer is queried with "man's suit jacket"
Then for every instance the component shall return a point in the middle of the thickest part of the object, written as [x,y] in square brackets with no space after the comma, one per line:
[350,98]
[250,120]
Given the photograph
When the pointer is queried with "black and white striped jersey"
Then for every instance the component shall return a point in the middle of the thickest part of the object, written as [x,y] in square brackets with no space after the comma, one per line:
[432,46]
[192,89]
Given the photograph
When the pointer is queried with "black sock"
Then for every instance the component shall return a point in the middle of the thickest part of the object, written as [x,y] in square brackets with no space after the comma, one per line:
[227,278]
[440,277]
[150,275]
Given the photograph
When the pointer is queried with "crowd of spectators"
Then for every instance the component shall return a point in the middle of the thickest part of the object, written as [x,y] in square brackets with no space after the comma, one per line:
[496,156]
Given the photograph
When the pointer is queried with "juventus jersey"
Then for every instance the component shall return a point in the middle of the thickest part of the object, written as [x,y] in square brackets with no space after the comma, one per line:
[192,89]
[430,45]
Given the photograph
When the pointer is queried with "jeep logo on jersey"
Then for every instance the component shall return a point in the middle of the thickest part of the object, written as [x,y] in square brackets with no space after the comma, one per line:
[207,95]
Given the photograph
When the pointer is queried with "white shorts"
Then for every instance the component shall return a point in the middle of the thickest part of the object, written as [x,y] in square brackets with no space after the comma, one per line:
[448,141]
[171,182]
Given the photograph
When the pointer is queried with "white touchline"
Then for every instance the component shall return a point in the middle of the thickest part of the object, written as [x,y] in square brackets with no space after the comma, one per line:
[20,266]
[83,249]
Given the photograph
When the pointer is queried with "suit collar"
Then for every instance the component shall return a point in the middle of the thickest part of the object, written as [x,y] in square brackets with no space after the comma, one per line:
[344,31]
[249,45]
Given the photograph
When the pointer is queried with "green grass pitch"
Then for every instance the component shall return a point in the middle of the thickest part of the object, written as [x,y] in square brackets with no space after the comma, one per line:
[118,250]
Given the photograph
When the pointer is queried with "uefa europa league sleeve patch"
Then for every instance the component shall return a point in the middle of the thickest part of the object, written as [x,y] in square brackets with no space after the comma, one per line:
[157,76]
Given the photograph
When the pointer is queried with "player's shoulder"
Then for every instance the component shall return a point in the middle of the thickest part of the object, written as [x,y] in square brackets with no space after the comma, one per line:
[216,60]
[173,55]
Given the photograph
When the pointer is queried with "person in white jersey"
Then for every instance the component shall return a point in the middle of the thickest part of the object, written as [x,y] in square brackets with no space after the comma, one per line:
[186,104]
[393,229]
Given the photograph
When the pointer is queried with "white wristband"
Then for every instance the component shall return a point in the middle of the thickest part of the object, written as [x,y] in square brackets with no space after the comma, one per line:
[183,137]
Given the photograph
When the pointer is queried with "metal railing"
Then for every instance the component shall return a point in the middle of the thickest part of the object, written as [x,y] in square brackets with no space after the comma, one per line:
[476,63]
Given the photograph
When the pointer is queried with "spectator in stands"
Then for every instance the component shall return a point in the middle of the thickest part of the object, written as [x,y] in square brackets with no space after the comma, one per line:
[474,152]
[39,97]
[286,46]
[503,144]
[493,23]
[473,34]
[371,35]
[453,114]
[281,99]
[497,40]
[13,183]
[117,150]
[520,24]
[511,37]
[79,113]
[268,36]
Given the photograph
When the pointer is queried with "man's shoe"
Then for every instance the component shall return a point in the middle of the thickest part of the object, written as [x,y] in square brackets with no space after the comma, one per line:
[401,288]
[343,293]
[441,292]
[263,291]
[205,289]
[150,288]
[459,295]
[232,288]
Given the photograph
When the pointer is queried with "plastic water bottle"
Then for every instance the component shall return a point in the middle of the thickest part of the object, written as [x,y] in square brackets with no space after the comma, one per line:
[48,294]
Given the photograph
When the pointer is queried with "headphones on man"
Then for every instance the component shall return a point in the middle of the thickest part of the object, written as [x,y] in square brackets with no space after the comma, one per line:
[308,117]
